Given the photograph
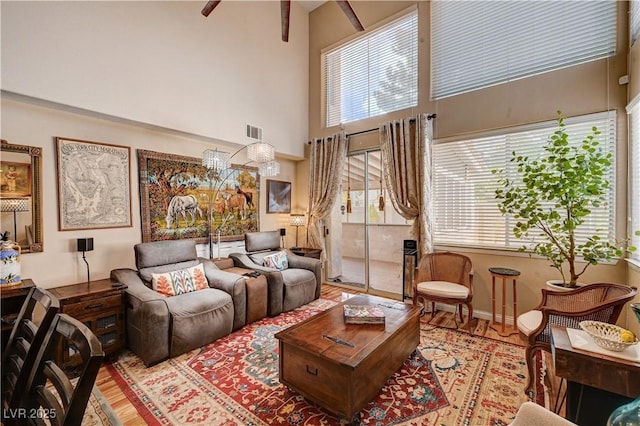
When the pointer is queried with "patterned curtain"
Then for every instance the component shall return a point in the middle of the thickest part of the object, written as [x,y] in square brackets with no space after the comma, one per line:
[406,159]
[327,161]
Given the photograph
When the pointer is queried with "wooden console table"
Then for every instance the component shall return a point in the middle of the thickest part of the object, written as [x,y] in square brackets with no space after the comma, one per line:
[100,306]
[597,384]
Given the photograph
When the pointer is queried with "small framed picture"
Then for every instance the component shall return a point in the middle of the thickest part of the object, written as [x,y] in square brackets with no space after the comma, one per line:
[15,179]
[278,196]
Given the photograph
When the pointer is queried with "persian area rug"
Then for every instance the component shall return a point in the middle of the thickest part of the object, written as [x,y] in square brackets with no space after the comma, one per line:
[99,412]
[452,378]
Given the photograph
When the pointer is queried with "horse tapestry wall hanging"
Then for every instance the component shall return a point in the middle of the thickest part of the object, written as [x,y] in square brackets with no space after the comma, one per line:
[180,198]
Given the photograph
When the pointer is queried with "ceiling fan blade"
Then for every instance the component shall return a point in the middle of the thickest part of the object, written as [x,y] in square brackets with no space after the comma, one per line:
[348,10]
[208,8]
[285,9]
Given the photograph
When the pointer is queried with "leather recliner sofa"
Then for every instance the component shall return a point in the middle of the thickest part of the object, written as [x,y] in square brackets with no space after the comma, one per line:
[290,288]
[161,327]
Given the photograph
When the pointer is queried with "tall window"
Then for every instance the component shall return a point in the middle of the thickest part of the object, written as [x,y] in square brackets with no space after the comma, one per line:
[484,43]
[634,174]
[466,211]
[373,74]
[634,20]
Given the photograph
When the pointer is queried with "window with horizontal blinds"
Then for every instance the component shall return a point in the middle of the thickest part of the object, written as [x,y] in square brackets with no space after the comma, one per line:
[634,20]
[634,176]
[465,208]
[483,43]
[373,74]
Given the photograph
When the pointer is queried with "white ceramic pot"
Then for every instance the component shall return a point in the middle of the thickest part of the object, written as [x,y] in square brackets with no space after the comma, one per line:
[10,263]
[558,285]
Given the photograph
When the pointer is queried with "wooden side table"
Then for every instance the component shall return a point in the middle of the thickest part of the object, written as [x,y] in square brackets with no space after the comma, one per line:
[12,298]
[504,274]
[100,306]
[257,289]
[597,384]
[307,252]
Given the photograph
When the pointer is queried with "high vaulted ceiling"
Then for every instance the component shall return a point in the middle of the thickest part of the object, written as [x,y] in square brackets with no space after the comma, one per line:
[311,5]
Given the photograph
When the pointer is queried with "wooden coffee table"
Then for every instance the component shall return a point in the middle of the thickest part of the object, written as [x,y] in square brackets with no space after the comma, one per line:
[344,374]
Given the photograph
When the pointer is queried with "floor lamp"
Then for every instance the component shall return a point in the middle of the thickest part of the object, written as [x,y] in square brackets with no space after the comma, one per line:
[218,164]
[296,220]
[14,205]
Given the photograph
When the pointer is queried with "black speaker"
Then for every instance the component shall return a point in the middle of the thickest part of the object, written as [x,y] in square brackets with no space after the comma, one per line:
[283,232]
[410,260]
[410,244]
[85,244]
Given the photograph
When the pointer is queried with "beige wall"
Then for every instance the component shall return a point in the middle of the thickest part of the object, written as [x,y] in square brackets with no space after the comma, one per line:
[152,75]
[162,63]
[581,89]
[27,124]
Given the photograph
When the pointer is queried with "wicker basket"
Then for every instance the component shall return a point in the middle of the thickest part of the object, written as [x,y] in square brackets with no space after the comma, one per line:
[606,335]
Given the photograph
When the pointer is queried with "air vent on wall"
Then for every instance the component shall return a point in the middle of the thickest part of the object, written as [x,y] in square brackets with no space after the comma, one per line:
[254,132]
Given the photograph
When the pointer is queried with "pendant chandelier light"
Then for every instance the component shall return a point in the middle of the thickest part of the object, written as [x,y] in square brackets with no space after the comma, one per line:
[269,168]
[216,160]
[261,152]
[348,184]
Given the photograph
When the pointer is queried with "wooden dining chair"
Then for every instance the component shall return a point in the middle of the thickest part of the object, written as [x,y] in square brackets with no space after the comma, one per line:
[26,338]
[50,390]
[445,277]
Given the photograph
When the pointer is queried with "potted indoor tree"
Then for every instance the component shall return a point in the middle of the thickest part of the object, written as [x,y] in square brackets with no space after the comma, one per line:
[553,196]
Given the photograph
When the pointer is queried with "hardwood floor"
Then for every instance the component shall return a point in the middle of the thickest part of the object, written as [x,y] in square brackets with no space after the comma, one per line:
[129,416]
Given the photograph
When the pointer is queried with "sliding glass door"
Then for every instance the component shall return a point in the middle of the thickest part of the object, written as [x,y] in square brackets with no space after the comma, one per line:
[372,232]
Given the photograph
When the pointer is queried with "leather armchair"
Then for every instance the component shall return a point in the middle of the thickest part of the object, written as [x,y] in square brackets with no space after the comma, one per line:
[160,327]
[295,286]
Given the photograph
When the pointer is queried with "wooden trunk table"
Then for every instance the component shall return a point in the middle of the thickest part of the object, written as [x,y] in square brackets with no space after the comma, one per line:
[342,367]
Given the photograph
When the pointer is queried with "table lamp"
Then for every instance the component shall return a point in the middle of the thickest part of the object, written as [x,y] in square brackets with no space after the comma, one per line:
[15,205]
[296,220]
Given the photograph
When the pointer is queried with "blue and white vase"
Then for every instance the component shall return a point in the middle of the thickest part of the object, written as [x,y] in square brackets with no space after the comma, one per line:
[10,263]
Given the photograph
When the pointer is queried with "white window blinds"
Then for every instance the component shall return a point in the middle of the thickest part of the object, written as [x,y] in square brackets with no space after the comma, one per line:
[465,208]
[634,175]
[634,20]
[476,44]
[373,74]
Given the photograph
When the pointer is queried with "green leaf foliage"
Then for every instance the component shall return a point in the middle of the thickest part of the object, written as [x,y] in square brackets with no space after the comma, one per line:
[553,197]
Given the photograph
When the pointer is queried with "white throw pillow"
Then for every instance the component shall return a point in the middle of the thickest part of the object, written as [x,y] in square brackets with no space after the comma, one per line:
[181,281]
[277,260]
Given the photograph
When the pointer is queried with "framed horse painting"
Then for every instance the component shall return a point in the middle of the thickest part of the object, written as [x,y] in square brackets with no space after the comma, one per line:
[181,199]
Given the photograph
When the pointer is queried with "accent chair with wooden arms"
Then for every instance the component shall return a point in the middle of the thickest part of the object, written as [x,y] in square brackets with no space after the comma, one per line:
[597,302]
[445,277]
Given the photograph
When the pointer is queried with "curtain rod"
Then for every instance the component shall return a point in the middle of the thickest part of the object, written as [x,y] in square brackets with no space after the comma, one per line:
[411,120]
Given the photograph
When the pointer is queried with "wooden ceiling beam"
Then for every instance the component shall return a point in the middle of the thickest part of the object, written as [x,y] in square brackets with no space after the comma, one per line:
[208,8]
[348,10]
[285,11]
